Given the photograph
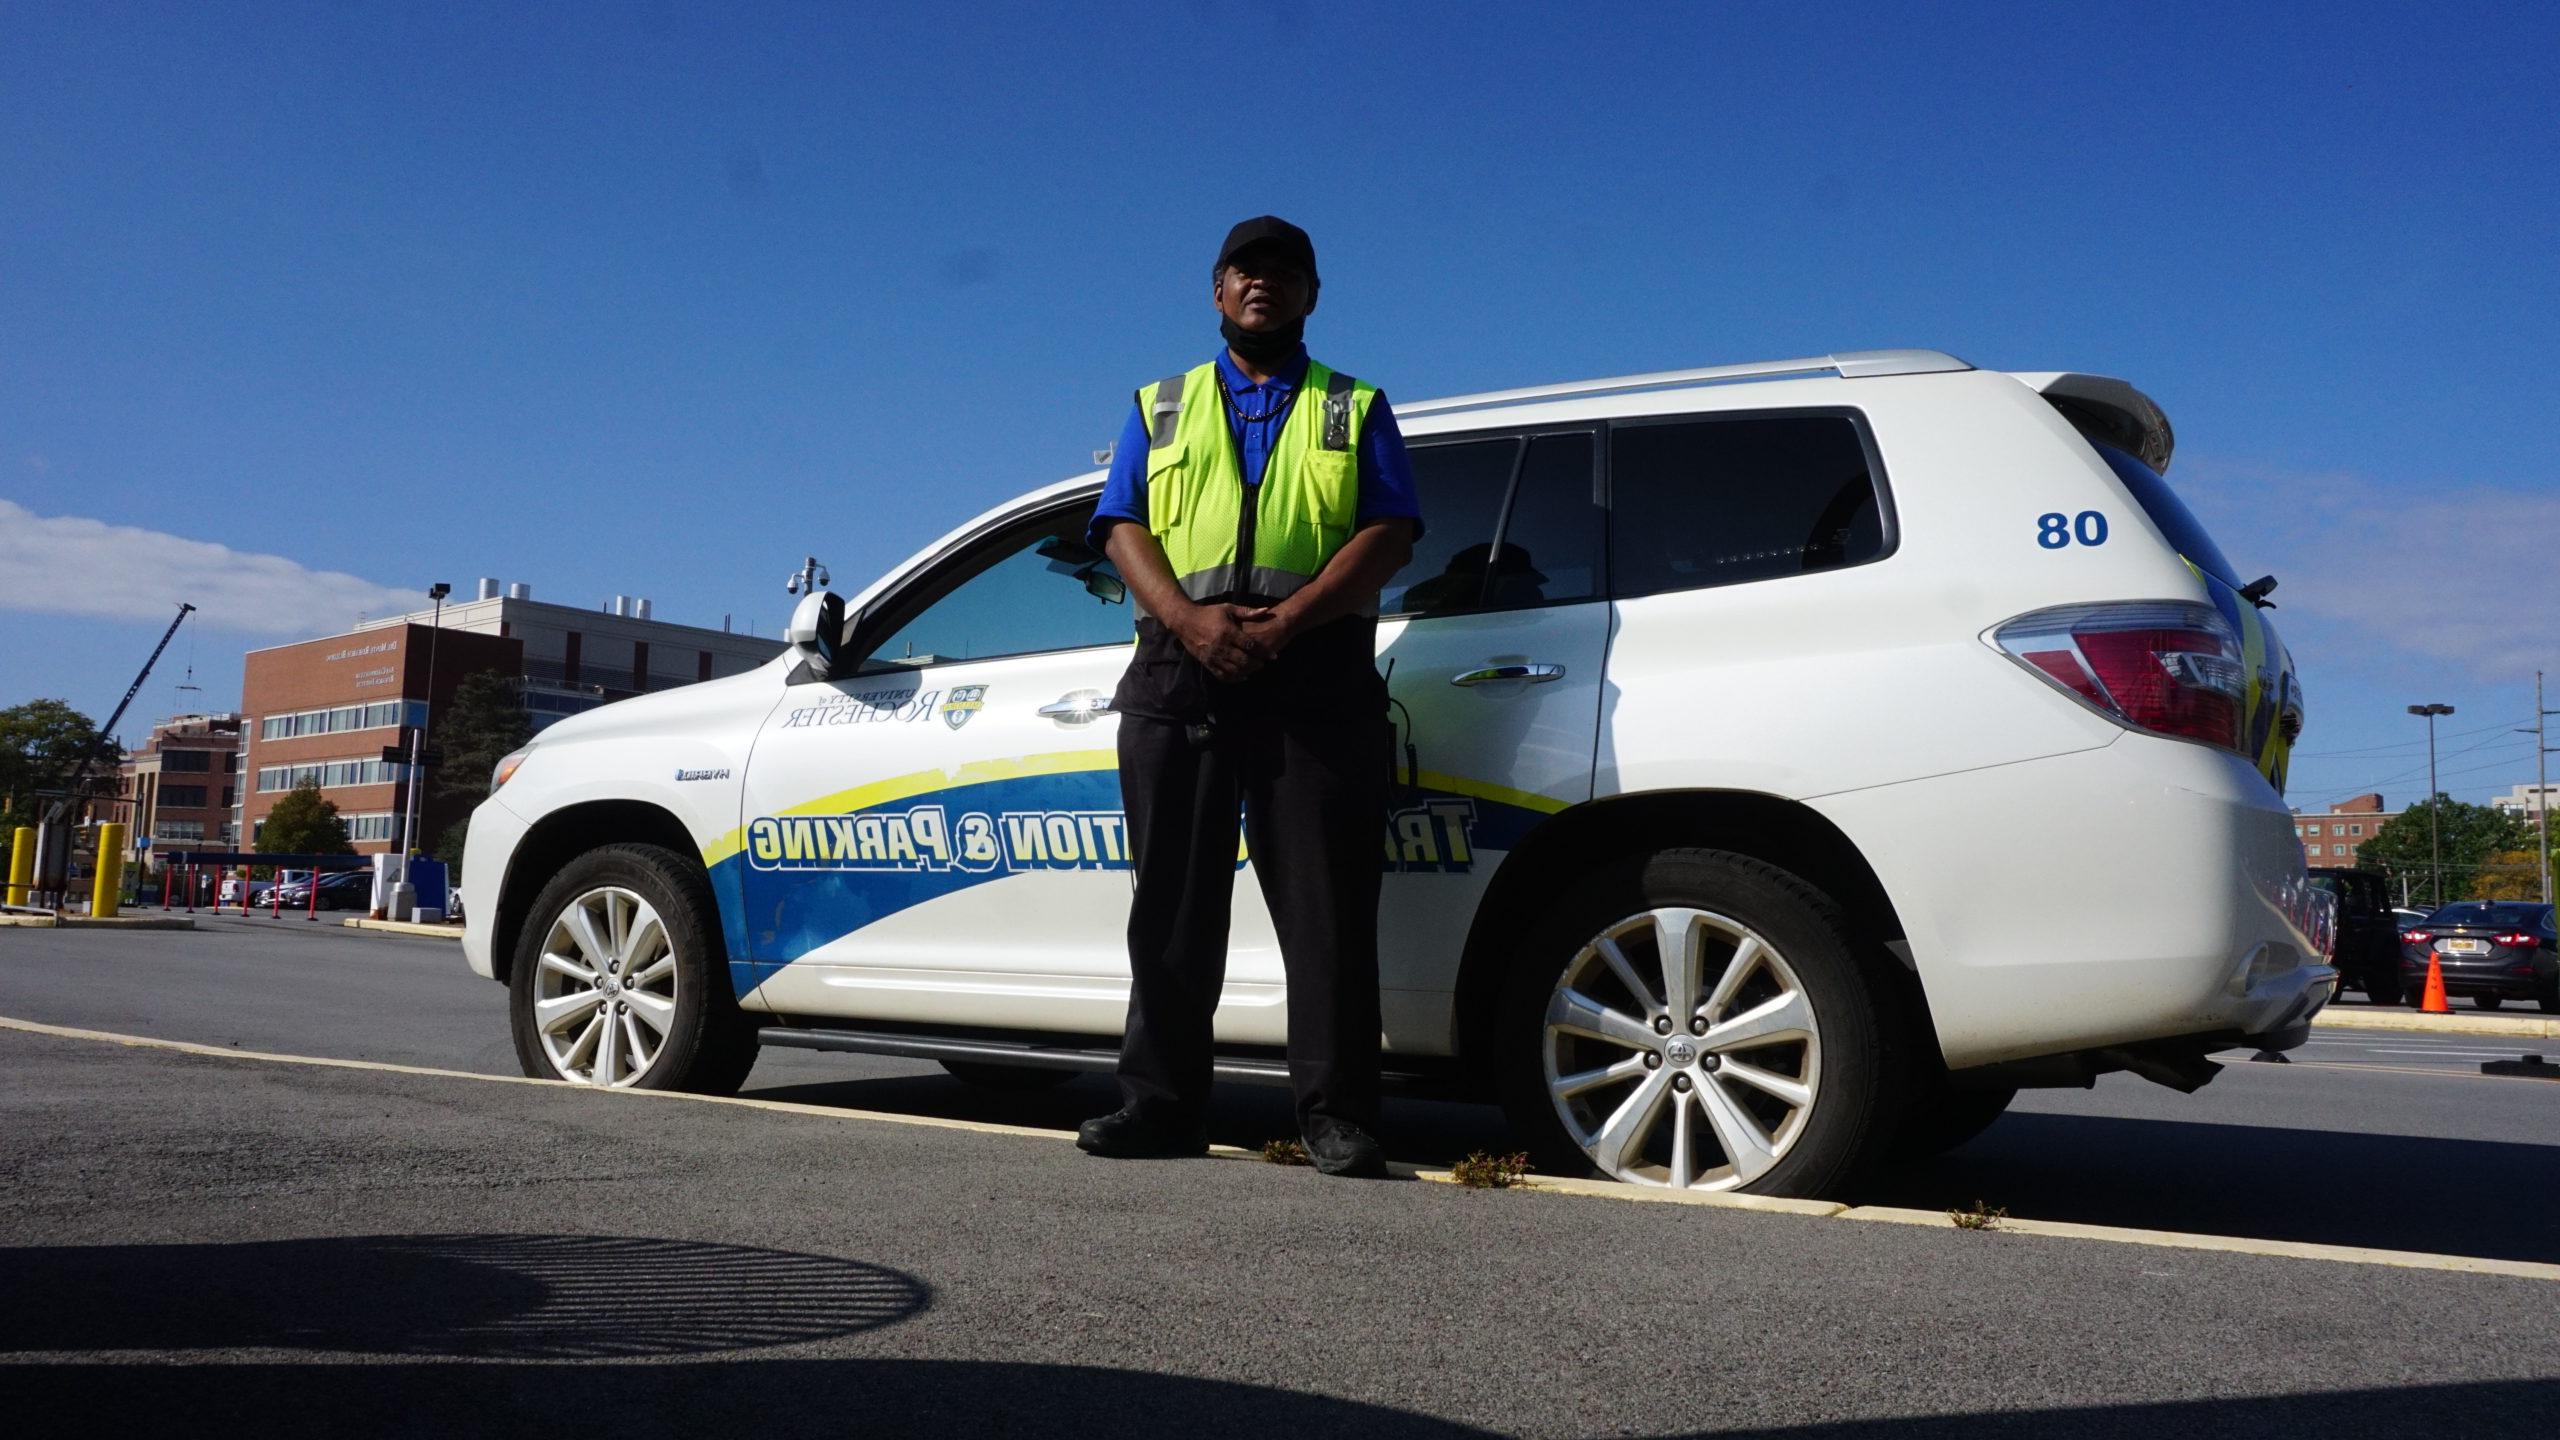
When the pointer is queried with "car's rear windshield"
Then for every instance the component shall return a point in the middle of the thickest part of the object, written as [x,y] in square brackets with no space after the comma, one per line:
[2171,514]
[2484,912]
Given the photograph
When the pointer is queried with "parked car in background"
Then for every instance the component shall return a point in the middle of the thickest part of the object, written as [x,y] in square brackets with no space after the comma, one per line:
[2408,917]
[2368,953]
[339,890]
[2491,950]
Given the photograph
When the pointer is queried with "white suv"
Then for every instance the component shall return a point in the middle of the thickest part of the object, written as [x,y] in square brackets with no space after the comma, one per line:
[1794,760]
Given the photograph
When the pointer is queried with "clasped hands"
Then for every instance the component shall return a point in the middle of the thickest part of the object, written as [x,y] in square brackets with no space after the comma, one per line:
[1233,641]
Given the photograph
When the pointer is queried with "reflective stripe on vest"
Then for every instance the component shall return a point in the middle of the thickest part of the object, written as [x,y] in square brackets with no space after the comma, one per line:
[1305,506]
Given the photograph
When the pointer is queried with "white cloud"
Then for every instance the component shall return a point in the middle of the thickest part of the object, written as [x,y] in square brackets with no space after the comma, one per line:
[72,565]
[2454,577]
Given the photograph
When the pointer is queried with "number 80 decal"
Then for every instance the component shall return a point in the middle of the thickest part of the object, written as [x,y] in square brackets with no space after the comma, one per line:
[2055,530]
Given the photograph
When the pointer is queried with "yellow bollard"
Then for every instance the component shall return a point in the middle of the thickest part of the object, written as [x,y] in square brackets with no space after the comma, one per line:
[108,886]
[22,864]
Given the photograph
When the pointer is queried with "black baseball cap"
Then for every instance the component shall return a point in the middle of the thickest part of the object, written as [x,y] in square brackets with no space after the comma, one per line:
[1269,229]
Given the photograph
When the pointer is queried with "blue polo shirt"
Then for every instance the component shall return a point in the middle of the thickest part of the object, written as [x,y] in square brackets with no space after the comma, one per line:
[1386,472]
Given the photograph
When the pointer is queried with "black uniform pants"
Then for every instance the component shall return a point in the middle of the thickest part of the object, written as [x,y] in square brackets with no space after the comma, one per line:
[1313,792]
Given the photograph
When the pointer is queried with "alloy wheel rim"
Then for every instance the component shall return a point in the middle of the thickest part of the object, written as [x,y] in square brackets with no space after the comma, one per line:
[1681,1050]
[604,997]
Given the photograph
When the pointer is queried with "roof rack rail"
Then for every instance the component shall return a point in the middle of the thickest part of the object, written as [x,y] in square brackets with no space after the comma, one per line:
[1848,365]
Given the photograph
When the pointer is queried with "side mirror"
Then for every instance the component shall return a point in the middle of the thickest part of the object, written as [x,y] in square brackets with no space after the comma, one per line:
[816,630]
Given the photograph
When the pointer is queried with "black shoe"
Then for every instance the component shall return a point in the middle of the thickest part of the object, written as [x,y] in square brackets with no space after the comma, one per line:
[1339,1147]
[1126,1134]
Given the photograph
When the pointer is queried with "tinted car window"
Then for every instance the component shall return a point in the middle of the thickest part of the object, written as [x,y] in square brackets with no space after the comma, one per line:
[2185,533]
[2486,912]
[1556,535]
[1021,595]
[1460,488]
[1722,501]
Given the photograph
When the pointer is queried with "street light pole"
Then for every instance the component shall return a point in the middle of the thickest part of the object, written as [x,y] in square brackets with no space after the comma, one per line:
[418,737]
[2435,811]
[2541,787]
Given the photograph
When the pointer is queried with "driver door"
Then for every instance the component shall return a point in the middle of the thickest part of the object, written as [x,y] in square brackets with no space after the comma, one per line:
[936,836]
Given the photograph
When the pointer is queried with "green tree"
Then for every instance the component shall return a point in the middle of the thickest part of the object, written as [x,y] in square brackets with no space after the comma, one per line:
[2471,833]
[449,848]
[304,823]
[477,728]
[41,743]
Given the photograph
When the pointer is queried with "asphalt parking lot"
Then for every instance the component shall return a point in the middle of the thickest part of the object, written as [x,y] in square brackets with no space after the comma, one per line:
[200,1243]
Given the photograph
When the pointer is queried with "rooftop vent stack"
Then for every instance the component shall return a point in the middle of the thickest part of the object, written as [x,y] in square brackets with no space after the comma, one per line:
[519,591]
[488,587]
[621,605]
[724,624]
[640,608]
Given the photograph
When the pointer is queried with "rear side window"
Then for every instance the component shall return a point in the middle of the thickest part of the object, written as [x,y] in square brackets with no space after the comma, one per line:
[1730,499]
[2176,521]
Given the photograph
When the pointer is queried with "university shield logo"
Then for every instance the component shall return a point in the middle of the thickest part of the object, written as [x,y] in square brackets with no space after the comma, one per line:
[965,701]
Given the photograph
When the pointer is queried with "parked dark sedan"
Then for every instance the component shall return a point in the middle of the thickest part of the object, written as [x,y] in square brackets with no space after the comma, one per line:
[2491,950]
[339,890]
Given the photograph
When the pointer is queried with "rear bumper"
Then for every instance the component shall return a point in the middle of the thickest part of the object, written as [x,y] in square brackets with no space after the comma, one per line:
[2147,890]
[2493,977]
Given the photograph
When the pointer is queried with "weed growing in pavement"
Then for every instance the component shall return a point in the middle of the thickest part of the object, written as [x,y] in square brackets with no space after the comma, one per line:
[1979,1217]
[1285,1152]
[1480,1171]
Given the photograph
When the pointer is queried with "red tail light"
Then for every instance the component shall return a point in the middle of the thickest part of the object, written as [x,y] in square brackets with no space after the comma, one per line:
[2416,937]
[2163,666]
[2520,940]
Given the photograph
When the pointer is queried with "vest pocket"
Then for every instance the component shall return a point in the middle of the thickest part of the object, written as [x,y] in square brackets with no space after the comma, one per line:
[1333,488]
[1166,476]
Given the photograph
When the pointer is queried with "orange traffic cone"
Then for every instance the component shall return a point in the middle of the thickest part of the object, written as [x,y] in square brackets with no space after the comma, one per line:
[2433,1002]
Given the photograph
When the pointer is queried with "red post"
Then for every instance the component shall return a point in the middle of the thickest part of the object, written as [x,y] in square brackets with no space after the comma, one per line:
[275,894]
[315,894]
[167,879]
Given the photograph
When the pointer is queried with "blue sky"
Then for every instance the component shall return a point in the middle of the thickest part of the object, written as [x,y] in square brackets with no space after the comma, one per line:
[327,302]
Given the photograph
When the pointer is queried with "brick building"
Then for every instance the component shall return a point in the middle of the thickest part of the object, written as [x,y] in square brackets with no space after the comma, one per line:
[182,785]
[2331,839]
[327,709]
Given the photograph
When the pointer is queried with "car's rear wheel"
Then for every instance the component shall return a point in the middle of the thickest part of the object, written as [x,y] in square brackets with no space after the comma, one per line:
[621,978]
[1014,1078]
[2382,987]
[1699,1020]
[2488,1002]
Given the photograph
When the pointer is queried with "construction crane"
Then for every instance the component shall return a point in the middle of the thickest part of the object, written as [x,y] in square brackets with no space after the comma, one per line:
[62,807]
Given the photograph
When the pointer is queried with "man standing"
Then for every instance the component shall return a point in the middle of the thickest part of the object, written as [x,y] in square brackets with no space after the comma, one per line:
[1256,504]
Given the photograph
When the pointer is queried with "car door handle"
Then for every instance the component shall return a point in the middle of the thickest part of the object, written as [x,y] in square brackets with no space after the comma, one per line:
[1076,709]
[1535,673]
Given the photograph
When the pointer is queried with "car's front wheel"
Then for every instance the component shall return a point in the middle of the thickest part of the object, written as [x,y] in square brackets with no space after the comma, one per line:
[621,978]
[1699,1020]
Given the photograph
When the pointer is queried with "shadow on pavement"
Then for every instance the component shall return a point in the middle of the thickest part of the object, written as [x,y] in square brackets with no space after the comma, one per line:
[1425,1131]
[876,1397]
[477,1296]
[2391,1192]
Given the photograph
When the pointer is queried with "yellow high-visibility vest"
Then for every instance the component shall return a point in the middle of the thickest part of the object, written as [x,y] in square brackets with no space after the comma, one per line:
[1306,504]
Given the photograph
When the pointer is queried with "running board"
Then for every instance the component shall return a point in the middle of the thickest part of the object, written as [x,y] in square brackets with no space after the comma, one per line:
[1244,1069]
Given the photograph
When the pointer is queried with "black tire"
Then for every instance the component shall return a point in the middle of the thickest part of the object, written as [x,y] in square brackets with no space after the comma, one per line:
[2488,1002]
[1013,1079]
[1864,1067]
[2549,999]
[2382,987]
[709,1045]
[1942,1118]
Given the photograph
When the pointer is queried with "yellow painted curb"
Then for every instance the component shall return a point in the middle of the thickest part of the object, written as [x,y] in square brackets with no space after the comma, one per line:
[126,922]
[1655,1195]
[405,927]
[26,922]
[1595,1189]
[2226,1244]
[2413,1023]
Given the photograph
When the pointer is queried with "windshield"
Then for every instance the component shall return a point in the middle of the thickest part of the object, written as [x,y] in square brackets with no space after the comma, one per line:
[2176,521]
[2490,913]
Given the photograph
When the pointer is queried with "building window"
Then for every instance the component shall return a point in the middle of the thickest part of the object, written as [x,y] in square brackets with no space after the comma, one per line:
[187,762]
[2316,852]
[376,716]
[183,797]
[2355,829]
[177,830]
[378,826]
[330,774]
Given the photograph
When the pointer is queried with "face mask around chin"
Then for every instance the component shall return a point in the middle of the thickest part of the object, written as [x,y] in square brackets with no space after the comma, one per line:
[1266,347]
